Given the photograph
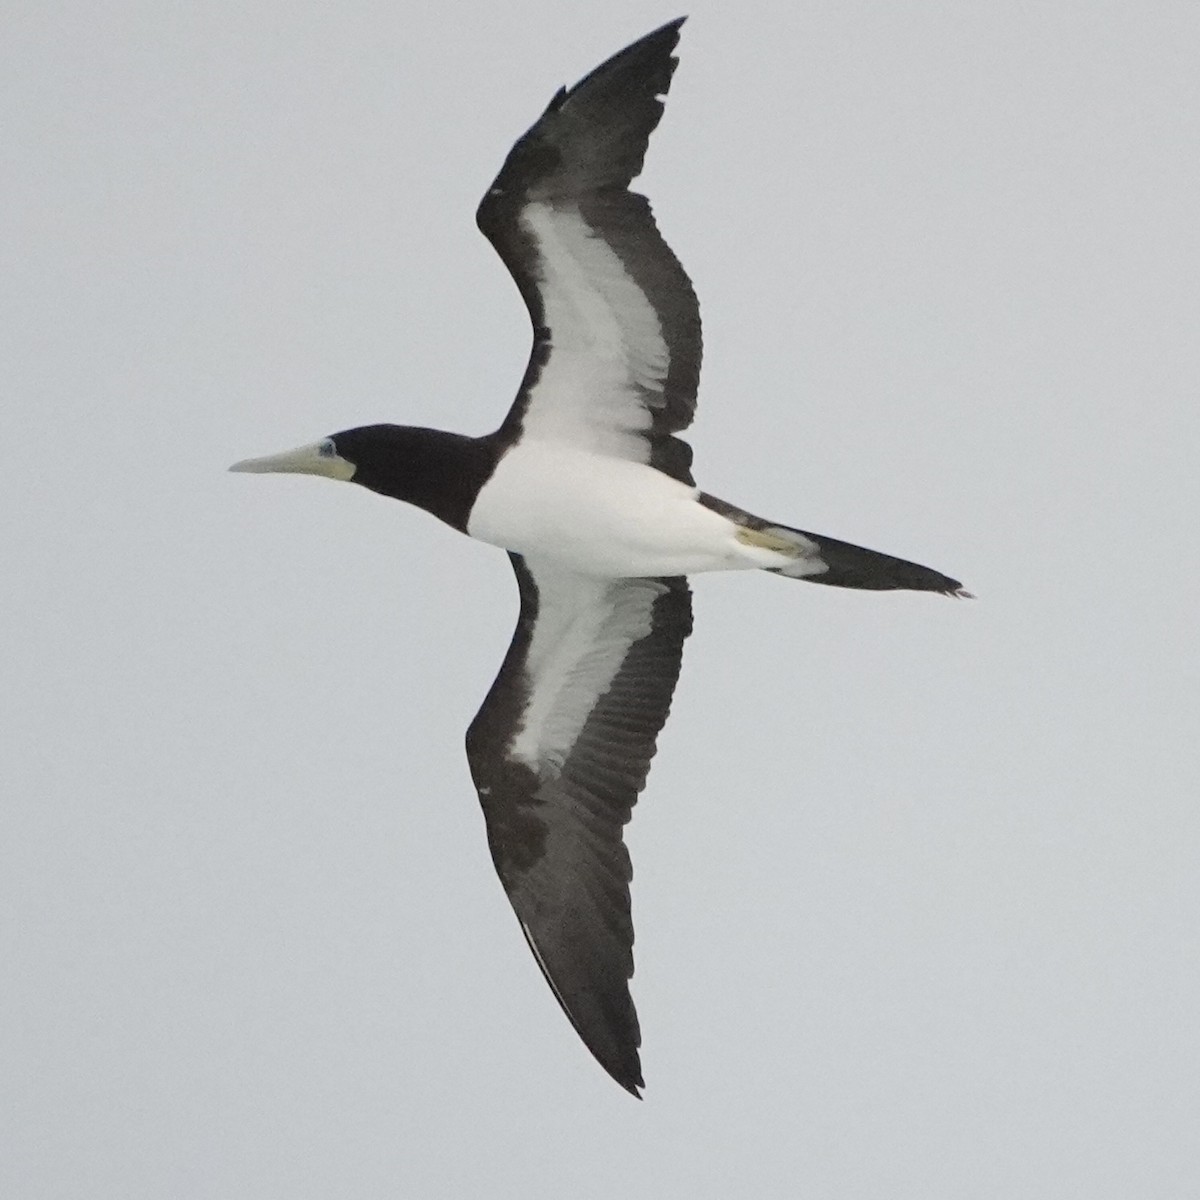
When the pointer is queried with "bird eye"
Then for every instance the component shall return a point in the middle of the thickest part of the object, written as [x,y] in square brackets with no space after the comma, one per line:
[327,449]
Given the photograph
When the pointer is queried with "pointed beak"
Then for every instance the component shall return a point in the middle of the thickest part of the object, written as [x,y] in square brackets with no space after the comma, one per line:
[317,458]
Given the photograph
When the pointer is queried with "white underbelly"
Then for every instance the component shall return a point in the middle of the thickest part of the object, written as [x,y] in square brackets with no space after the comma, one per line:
[603,516]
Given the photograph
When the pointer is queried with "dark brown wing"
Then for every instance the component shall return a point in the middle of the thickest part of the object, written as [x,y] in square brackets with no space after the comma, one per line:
[616,326]
[559,752]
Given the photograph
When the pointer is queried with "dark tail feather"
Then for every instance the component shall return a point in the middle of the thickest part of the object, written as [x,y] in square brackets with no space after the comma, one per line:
[855,567]
[822,559]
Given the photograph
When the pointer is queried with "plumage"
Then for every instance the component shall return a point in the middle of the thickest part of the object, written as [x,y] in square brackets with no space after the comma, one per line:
[588,487]
[559,752]
[616,352]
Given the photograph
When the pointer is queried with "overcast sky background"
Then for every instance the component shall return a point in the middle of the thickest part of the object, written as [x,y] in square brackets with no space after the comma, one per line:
[916,886]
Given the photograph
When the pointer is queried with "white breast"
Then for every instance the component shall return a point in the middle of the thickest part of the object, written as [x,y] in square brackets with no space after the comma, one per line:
[602,516]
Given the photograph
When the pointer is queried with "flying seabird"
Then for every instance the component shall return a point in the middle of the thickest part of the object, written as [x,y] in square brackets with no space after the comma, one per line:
[588,488]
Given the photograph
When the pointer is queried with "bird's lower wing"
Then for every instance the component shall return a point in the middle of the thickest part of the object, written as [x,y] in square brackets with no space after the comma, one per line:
[559,752]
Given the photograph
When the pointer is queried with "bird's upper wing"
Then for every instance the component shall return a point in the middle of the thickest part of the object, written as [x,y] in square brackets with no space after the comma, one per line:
[559,752]
[616,325]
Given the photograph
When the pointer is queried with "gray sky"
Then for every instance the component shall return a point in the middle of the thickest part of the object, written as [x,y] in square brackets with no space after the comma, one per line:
[916,881]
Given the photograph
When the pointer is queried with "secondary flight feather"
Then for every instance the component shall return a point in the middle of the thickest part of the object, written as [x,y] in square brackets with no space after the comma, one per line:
[589,489]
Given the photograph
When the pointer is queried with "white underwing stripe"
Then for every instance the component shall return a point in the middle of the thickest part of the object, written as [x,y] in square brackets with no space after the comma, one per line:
[583,632]
[607,343]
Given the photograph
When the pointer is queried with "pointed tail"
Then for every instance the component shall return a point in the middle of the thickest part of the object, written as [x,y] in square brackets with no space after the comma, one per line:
[821,559]
[856,567]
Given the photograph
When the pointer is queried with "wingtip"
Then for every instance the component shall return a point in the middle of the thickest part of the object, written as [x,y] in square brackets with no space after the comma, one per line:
[623,1068]
[668,32]
[633,1085]
[672,27]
